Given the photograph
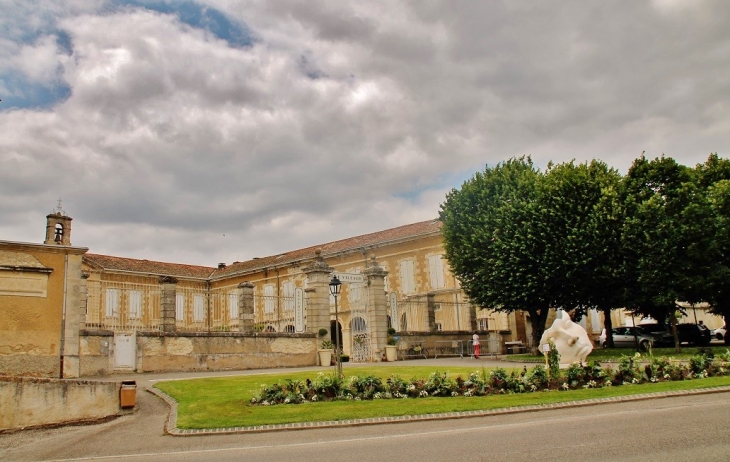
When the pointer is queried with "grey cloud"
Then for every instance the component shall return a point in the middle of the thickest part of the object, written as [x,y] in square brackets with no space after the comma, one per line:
[344,118]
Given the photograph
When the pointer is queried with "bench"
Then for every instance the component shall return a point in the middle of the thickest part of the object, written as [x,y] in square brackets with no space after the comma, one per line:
[515,347]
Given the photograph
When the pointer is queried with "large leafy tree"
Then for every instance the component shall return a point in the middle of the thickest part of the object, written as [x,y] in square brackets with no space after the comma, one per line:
[713,178]
[518,239]
[492,242]
[664,238]
[583,221]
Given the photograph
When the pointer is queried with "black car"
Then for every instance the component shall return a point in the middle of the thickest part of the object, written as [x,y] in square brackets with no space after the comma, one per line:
[694,334]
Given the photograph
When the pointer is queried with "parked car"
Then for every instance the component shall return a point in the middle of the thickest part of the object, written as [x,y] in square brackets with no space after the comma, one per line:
[719,333]
[694,334]
[628,337]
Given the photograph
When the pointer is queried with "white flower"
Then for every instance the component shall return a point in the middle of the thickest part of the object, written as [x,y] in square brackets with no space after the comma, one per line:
[314,398]
[667,377]
[565,386]
[454,393]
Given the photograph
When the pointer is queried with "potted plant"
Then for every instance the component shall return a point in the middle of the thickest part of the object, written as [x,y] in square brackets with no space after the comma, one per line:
[326,349]
[391,349]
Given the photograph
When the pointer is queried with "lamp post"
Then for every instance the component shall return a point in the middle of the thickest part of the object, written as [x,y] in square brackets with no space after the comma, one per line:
[335,290]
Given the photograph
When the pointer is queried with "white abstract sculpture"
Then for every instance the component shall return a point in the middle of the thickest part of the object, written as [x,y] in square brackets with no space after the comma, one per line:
[570,339]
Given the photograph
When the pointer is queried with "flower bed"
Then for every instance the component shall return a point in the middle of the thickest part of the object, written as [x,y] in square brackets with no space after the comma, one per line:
[326,387]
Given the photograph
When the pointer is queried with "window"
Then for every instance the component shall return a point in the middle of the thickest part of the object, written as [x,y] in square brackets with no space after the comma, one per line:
[198,308]
[112,302]
[269,298]
[135,304]
[436,270]
[288,288]
[354,292]
[233,305]
[180,307]
[595,320]
[407,276]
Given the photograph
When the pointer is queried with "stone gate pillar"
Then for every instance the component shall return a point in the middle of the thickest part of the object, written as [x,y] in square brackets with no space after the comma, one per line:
[377,308]
[318,295]
[245,307]
[168,291]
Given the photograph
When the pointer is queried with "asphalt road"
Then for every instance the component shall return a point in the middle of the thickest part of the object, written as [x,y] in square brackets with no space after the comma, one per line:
[692,428]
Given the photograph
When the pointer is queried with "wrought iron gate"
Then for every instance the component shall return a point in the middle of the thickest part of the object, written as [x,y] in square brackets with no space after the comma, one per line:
[360,327]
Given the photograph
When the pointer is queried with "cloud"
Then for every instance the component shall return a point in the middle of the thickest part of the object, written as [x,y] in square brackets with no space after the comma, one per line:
[165,125]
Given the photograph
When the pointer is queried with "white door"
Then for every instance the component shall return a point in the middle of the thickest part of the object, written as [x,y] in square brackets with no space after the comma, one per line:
[124,350]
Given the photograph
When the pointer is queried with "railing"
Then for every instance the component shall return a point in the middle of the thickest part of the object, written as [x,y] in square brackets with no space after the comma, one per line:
[452,348]
[414,316]
[450,316]
[273,313]
[122,306]
[410,350]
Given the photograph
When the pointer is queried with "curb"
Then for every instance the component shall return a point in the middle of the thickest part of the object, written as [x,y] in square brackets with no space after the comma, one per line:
[171,422]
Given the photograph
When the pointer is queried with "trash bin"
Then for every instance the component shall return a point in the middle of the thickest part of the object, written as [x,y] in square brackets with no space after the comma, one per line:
[128,394]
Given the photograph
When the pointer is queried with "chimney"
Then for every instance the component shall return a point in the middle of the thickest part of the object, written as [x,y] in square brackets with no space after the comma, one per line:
[221,265]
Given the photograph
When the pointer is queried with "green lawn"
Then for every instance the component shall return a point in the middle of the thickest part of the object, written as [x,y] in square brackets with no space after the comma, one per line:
[224,401]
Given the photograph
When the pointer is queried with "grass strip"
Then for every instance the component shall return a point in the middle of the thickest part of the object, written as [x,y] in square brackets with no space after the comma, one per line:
[224,401]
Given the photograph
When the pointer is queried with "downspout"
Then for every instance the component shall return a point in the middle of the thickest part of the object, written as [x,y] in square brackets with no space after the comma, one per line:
[63,316]
[278,299]
[207,302]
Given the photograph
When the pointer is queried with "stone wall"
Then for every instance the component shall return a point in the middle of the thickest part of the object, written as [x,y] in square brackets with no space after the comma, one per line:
[194,351]
[31,402]
[96,353]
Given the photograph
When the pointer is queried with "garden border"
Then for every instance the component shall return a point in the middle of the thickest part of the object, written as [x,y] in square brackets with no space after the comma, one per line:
[171,421]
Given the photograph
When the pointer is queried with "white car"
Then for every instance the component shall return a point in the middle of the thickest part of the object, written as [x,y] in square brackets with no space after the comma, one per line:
[719,333]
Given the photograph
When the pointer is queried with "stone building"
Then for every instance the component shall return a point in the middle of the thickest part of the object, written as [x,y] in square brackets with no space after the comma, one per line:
[131,314]
[42,303]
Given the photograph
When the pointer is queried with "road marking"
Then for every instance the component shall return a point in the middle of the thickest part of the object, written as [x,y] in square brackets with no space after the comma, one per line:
[488,425]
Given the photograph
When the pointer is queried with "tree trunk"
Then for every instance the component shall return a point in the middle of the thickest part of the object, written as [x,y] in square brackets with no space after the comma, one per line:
[673,324]
[538,317]
[608,325]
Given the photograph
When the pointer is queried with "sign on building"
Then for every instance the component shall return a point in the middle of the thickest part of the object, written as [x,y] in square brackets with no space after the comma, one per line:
[299,309]
[393,306]
[350,277]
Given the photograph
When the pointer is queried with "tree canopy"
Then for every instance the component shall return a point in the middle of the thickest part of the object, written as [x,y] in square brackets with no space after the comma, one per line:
[579,236]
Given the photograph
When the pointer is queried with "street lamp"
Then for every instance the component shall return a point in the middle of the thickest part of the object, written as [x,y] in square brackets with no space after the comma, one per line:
[335,290]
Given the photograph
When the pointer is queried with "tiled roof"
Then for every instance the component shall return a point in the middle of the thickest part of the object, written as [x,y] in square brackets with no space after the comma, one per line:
[366,240]
[107,262]
[400,233]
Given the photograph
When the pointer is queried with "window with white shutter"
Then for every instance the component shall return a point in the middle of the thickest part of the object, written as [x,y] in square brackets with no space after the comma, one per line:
[407,276]
[233,305]
[112,303]
[180,307]
[198,308]
[288,289]
[269,298]
[436,271]
[135,304]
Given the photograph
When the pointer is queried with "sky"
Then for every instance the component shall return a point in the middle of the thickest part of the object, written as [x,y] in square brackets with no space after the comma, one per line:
[216,131]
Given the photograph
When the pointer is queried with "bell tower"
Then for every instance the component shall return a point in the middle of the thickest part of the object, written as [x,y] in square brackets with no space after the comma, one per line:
[58,227]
